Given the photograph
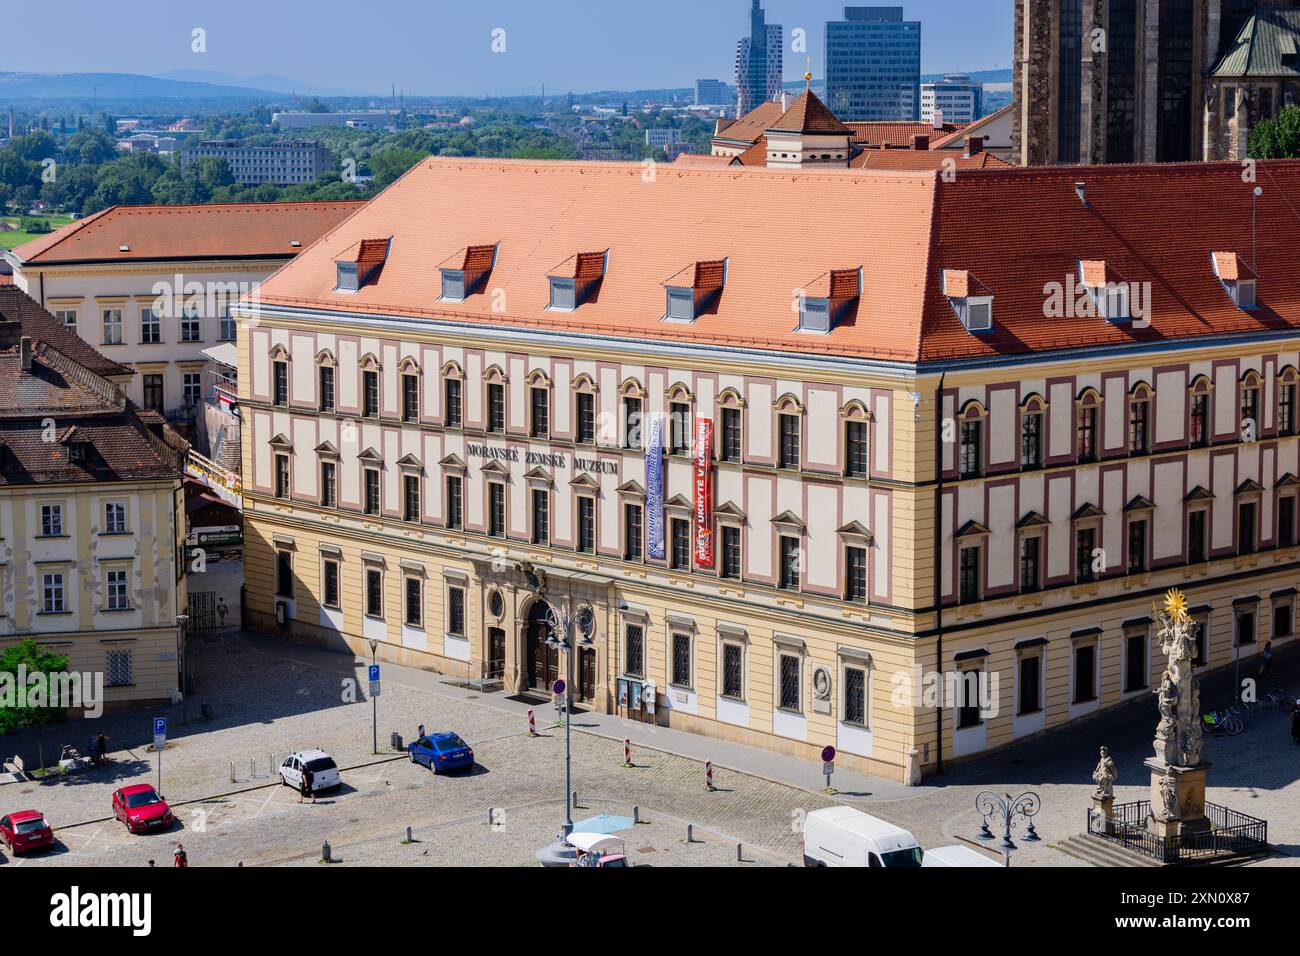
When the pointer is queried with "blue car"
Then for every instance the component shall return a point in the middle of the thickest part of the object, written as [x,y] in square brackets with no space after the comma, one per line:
[441,752]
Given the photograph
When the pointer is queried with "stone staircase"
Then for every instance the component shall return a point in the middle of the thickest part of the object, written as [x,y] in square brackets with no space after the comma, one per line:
[1101,852]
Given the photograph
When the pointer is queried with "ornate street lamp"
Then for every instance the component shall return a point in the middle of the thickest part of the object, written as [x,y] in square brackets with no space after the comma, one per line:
[1006,809]
[561,621]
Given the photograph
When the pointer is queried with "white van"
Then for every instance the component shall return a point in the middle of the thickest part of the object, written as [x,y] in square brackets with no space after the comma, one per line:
[843,836]
[957,856]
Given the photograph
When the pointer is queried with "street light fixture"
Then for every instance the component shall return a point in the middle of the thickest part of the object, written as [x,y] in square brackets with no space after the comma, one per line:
[1007,809]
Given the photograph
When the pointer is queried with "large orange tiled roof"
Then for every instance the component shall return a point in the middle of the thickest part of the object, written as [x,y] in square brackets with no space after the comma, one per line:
[1008,230]
[808,114]
[748,128]
[896,159]
[896,132]
[213,231]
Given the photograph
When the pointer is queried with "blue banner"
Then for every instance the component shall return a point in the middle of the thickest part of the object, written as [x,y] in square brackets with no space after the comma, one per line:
[654,489]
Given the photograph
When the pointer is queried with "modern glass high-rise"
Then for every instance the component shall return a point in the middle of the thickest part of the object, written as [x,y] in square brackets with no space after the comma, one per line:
[873,65]
[758,61]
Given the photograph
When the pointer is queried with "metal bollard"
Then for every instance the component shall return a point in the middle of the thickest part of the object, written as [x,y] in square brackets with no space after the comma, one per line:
[325,852]
[252,768]
[636,814]
[232,771]
[409,836]
[690,833]
[740,853]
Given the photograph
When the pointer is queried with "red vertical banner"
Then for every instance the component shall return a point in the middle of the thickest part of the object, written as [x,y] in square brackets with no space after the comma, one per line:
[704,492]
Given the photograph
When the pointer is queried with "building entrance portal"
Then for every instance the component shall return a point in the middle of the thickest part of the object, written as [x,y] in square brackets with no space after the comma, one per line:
[542,662]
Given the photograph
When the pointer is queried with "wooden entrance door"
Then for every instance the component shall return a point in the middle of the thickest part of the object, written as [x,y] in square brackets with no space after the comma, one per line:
[587,674]
[496,662]
[543,661]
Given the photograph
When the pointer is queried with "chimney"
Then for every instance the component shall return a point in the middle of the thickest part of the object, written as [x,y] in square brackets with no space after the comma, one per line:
[938,119]
[921,143]
[974,145]
[25,351]
[785,101]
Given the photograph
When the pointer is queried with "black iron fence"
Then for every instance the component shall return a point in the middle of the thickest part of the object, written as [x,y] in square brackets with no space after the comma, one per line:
[1230,833]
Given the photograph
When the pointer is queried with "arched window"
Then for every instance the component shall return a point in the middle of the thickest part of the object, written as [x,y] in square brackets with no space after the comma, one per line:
[857,423]
[1249,419]
[1086,420]
[539,405]
[494,399]
[1032,415]
[453,387]
[633,401]
[971,440]
[584,409]
[1139,419]
[1198,412]
[789,431]
[326,380]
[730,439]
[681,405]
[1286,397]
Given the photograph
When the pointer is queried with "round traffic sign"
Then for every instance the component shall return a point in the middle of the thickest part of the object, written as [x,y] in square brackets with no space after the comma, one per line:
[558,687]
[828,753]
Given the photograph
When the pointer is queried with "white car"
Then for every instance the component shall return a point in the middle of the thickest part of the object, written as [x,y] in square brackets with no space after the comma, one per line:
[325,772]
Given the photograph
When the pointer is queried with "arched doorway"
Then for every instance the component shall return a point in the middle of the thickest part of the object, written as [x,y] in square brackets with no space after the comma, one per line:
[542,663]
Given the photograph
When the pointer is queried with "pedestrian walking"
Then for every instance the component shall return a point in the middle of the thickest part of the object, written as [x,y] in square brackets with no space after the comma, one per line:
[1295,722]
[221,611]
[181,859]
[1266,665]
[101,749]
[306,791]
[419,732]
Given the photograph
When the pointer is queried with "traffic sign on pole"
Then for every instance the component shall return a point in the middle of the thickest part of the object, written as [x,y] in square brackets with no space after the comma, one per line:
[828,766]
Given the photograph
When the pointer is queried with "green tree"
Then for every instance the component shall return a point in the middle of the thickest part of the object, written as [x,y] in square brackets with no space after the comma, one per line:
[32,659]
[388,164]
[1277,138]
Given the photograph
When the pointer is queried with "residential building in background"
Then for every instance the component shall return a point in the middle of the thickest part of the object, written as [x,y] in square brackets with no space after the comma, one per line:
[662,138]
[282,164]
[873,65]
[954,98]
[151,288]
[91,511]
[295,120]
[758,62]
[711,93]
[1256,78]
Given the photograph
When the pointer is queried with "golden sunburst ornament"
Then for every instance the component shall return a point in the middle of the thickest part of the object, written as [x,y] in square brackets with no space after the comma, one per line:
[1176,605]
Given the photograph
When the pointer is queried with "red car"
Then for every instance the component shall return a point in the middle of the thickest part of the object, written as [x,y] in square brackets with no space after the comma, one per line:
[25,830]
[142,809]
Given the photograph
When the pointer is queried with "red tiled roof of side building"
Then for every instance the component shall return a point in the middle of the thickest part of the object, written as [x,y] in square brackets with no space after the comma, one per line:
[40,326]
[748,128]
[898,133]
[808,114]
[169,233]
[898,159]
[707,160]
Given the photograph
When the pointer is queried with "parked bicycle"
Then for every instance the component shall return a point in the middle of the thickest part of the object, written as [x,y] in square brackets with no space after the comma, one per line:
[1226,722]
[1279,698]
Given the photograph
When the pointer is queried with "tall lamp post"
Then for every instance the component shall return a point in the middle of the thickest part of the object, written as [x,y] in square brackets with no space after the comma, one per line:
[1004,810]
[374,703]
[560,622]
[182,635]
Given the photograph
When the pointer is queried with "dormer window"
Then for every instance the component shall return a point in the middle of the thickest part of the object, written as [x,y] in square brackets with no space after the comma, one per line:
[1239,279]
[826,300]
[360,263]
[1109,292]
[694,290]
[575,279]
[970,299]
[464,273]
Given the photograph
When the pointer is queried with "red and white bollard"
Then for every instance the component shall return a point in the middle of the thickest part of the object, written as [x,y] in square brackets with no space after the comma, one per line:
[708,776]
[532,724]
[627,751]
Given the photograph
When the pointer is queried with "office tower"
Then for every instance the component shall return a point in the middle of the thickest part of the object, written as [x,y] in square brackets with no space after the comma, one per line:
[873,65]
[955,97]
[758,62]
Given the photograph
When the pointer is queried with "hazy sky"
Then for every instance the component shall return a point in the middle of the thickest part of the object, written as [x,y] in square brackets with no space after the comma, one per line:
[437,46]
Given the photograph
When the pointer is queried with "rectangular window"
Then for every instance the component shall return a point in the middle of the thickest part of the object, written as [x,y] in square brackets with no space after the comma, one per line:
[1031,440]
[117,594]
[117,669]
[410,398]
[1085,673]
[372,491]
[1282,616]
[282,476]
[1086,428]
[283,574]
[733,674]
[1199,421]
[680,553]
[153,392]
[790,671]
[112,326]
[1196,537]
[789,451]
[971,448]
[330,584]
[451,411]
[587,525]
[370,394]
[280,396]
[968,699]
[150,327]
[631,423]
[226,329]
[1286,521]
[634,648]
[731,435]
[496,402]
[679,422]
[51,521]
[52,594]
[191,388]
[586,418]
[326,388]
[411,497]
[855,574]
[1135,661]
[969,575]
[1030,680]
[414,608]
[114,517]
[789,577]
[1250,407]
[1245,628]
[455,502]
[190,326]
[374,593]
[456,611]
[1246,527]
[328,484]
[730,551]
[1286,410]
[633,531]
[1137,546]
[496,509]
[1085,541]
[855,696]
[541,516]
[68,317]
[855,449]
[1137,427]
[681,660]
[1031,578]
[1200,626]
[540,406]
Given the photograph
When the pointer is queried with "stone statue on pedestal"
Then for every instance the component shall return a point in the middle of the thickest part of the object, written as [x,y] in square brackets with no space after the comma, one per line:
[1105,775]
[1178,735]
[1169,796]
